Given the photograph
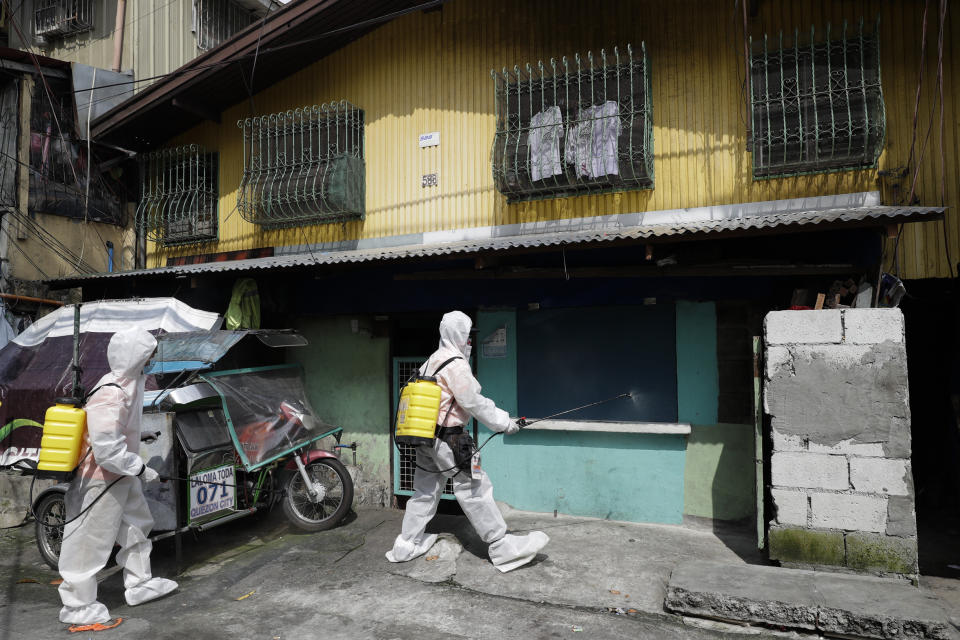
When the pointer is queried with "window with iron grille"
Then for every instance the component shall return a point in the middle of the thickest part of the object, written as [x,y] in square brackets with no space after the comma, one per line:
[816,102]
[574,126]
[304,166]
[215,21]
[60,167]
[57,18]
[179,195]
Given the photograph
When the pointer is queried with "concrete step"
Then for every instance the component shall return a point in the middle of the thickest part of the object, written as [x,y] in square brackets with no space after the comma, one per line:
[828,603]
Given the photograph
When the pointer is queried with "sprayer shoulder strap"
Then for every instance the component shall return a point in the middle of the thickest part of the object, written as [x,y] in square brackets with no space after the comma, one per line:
[107,384]
[445,363]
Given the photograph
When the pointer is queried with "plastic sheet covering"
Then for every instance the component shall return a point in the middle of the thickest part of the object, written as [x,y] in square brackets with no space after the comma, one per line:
[269,411]
[202,346]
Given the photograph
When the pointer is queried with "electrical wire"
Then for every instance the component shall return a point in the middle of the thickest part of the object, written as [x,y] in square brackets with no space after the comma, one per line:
[48,239]
[6,232]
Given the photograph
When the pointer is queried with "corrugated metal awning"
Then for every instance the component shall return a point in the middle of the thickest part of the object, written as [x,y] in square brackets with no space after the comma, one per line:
[581,231]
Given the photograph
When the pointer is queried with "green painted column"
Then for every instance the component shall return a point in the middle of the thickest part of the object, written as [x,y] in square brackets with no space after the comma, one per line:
[698,378]
[348,382]
[718,476]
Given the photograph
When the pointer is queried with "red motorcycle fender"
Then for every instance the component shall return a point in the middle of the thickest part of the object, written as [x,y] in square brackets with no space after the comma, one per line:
[308,457]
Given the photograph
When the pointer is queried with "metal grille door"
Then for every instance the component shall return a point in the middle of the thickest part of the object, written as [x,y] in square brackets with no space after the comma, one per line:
[403,467]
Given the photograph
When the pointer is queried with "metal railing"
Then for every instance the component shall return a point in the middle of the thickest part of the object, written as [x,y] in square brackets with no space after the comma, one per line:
[816,106]
[215,21]
[59,166]
[179,195]
[304,166]
[53,18]
[574,126]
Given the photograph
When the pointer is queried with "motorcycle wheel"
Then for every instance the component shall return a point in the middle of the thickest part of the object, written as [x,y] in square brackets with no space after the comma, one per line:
[332,482]
[50,512]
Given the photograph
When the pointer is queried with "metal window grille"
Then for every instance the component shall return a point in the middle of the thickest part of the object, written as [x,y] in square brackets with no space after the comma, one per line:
[580,126]
[53,18]
[179,195]
[404,468]
[59,163]
[215,21]
[817,106]
[304,166]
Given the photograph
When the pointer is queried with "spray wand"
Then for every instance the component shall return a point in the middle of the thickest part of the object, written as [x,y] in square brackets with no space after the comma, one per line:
[523,422]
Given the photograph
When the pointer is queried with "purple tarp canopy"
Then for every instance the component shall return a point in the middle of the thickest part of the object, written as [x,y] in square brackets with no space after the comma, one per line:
[35,367]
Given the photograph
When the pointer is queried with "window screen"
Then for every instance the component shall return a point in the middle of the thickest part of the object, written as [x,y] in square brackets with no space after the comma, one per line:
[571,357]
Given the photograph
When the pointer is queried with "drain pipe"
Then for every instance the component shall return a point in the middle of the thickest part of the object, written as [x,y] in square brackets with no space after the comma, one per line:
[118,34]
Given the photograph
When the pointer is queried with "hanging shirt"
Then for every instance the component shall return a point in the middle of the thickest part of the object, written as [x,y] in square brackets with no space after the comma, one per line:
[606,131]
[592,142]
[546,129]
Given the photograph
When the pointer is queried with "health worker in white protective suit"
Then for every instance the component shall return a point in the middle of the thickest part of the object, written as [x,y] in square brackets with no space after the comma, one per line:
[121,516]
[460,399]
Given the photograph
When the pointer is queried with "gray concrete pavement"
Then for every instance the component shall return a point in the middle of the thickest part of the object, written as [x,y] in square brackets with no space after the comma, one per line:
[595,579]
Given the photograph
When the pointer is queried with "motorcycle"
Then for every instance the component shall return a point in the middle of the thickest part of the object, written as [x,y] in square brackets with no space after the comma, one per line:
[229,444]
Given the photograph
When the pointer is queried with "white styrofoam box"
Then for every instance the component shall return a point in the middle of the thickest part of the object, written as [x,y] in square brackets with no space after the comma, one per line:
[848,511]
[880,475]
[872,326]
[848,447]
[803,327]
[791,506]
[809,470]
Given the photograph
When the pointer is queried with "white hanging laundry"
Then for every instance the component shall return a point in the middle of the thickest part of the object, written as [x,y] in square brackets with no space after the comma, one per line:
[606,131]
[546,130]
[592,143]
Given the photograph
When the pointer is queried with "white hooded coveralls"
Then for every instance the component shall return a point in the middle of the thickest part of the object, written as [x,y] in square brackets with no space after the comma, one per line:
[122,515]
[460,399]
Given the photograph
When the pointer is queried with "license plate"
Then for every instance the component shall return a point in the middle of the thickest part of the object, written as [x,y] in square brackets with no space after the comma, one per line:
[211,492]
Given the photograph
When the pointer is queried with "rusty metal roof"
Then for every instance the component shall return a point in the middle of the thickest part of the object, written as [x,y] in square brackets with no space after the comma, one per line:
[281,44]
[552,233]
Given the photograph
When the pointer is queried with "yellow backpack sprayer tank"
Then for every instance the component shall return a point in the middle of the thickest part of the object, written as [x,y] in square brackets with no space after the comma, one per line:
[64,423]
[63,429]
[419,409]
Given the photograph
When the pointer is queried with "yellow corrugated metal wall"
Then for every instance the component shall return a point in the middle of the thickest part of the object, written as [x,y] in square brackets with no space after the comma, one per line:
[430,72]
[157,38]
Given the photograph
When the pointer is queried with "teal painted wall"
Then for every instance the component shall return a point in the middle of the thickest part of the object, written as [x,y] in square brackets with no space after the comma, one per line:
[498,376]
[631,477]
[718,477]
[719,480]
[348,381]
[698,384]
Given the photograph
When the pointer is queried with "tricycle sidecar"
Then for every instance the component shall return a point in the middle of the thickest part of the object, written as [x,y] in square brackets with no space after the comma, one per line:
[231,443]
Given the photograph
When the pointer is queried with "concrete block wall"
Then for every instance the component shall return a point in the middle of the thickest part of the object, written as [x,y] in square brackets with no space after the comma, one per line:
[836,392]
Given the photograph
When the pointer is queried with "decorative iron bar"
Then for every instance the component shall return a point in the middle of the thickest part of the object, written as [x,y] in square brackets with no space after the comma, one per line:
[215,21]
[817,106]
[53,18]
[179,195]
[570,127]
[304,166]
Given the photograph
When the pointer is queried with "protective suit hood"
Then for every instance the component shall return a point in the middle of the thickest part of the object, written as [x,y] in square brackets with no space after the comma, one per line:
[455,331]
[129,350]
